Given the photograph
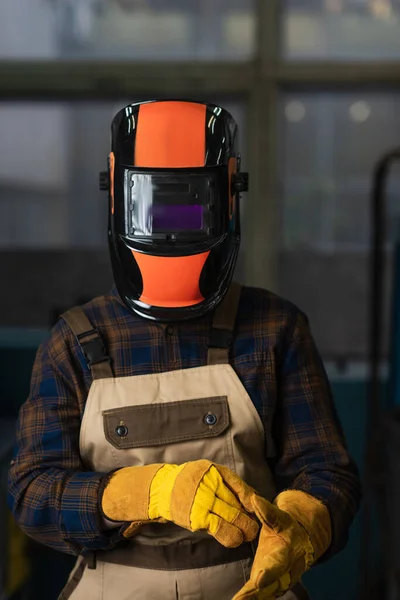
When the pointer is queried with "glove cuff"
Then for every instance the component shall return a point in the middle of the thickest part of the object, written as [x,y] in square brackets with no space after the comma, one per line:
[312,514]
[127,493]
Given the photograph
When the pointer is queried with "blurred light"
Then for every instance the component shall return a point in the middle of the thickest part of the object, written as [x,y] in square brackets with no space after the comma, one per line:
[360,111]
[295,111]
[334,6]
[381,9]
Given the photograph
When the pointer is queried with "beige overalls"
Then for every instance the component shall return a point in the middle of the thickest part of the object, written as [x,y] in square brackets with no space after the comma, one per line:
[171,417]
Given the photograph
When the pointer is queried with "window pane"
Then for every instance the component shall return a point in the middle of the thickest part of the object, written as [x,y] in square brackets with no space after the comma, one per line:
[341,29]
[51,158]
[331,143]
[127,29]
[33,175]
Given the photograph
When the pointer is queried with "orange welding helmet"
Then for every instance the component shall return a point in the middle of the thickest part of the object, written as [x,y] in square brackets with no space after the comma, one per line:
[174,183]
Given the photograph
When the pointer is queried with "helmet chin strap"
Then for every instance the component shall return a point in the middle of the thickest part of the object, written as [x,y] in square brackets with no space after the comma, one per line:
[171,282]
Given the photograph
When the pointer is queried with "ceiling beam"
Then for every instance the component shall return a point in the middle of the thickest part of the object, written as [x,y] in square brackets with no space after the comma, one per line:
[101,80]
[336,73]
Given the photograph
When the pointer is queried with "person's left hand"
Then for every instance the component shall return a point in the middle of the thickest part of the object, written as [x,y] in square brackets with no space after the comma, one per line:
[295,532]
[283,554]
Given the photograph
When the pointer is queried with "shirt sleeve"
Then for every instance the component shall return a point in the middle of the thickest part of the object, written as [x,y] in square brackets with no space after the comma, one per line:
[53,498]
[312,452]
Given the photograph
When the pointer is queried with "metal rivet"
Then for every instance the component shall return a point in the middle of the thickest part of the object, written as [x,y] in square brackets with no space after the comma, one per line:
[121,430]
[210,419]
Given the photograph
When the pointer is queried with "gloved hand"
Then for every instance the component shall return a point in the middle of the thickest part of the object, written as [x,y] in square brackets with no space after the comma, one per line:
[192,495]
[295,532]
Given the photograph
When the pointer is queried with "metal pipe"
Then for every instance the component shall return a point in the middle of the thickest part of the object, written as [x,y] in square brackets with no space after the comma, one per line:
[374,413]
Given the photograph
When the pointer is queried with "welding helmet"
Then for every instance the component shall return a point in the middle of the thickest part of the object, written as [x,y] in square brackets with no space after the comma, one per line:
[174,183]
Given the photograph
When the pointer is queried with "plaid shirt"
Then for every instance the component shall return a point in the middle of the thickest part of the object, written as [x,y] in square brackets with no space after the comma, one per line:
[55,500]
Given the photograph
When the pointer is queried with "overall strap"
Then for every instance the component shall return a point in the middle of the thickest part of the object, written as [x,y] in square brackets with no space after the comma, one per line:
[90,343]
[223,327]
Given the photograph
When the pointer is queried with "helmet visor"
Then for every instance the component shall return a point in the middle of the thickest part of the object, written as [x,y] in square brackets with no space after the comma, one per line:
[178,204]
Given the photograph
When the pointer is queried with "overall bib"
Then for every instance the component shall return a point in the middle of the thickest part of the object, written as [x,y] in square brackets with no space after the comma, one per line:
[171,417]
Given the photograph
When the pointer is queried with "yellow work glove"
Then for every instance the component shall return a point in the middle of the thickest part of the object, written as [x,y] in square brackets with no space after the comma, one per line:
[192,495]
[295,532]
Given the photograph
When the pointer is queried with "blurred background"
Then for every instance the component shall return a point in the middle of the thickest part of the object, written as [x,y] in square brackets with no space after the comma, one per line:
[315,88]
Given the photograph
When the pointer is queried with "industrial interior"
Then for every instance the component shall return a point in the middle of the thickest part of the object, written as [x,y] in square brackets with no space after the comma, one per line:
[314,86]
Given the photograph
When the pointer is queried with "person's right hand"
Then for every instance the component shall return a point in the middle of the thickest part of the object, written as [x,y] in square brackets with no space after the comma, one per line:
[193,496]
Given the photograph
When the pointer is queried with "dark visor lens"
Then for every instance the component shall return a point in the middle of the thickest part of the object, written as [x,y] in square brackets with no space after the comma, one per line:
[175,203]
[168,217]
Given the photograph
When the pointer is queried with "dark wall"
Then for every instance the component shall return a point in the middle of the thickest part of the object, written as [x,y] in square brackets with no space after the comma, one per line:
[333,290]
[35,283]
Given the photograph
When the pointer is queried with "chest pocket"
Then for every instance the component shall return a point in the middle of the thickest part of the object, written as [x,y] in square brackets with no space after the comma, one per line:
[170,432]
[168,423]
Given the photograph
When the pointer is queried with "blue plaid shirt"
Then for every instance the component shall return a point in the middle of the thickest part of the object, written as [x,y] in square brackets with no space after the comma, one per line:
[55,500]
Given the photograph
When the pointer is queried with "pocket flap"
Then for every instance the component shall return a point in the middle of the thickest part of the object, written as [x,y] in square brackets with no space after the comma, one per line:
[160,424]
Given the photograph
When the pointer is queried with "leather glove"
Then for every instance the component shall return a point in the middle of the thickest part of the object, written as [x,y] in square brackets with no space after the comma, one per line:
[295,532]
[192,495]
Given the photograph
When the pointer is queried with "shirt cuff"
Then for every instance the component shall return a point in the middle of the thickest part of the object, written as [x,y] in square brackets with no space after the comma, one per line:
[82,524]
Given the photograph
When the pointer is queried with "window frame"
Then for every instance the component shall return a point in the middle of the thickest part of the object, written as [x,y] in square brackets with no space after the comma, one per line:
[258,82]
